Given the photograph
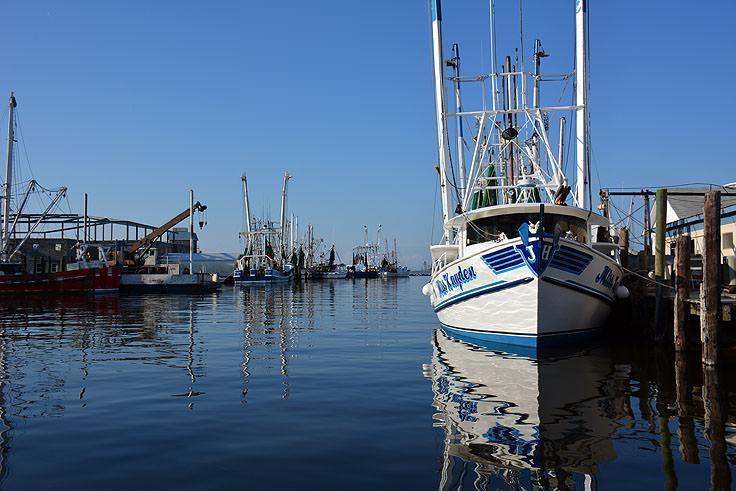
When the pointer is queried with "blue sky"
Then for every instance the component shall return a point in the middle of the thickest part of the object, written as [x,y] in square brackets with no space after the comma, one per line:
[136,102]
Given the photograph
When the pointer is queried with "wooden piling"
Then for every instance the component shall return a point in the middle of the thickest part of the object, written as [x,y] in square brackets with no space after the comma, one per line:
[659,264]
[623,245]
[710,307]
[682,290]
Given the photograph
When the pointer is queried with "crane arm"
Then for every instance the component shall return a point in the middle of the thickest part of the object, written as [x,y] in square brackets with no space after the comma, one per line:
[148,239]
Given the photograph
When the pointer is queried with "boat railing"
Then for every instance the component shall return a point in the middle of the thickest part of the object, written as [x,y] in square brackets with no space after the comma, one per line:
[442,261]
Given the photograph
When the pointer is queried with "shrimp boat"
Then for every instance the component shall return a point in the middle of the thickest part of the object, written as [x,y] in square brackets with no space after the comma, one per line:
[266,250]
[518,262]
[88,272]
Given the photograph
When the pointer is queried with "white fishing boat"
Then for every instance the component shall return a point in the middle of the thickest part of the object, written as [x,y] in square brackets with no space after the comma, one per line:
[339,272]
[264,260]
[519,261]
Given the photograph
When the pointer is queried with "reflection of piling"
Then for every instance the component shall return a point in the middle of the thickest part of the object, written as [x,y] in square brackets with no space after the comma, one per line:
[668,463]
[720,474]
[710,306]
[685,411]
[659,263]
[664,398]
[682,290]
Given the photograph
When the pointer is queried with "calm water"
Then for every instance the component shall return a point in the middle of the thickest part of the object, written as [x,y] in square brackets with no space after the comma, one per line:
[336,385]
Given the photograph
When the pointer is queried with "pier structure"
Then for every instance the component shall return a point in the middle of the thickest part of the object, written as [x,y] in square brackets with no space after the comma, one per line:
[50,246]
[691,279]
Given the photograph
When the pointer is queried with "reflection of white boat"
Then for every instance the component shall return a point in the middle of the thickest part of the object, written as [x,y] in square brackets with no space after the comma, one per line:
[518,263]
[506,411]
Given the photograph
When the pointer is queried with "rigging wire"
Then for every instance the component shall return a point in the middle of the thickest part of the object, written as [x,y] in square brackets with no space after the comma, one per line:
[23,142]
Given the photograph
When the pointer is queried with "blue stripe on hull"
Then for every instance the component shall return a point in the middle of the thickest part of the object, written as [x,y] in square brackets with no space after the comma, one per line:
[527,340]
[578,287]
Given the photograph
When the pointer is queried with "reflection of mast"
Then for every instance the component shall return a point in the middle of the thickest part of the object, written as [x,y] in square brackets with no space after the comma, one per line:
[190,353]
[4,439]
[268,323]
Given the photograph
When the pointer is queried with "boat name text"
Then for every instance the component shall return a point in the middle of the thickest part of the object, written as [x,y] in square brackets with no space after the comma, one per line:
[449,282]
[607,278]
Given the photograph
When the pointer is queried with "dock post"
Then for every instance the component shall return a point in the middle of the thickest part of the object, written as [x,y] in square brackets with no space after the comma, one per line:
[647,228]
[710,307]
[682,290]
[659,263]
[623,245]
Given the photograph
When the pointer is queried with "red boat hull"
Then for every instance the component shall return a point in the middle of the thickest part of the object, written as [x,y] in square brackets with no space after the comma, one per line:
[92,280]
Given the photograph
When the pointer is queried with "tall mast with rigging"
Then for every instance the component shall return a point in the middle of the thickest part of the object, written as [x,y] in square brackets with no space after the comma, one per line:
[8,176]
[441,111]
[247,214]
[283,216]
[455,64]
[581,100]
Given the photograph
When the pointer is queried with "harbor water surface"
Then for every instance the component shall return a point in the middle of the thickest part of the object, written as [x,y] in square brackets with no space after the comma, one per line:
[346,384]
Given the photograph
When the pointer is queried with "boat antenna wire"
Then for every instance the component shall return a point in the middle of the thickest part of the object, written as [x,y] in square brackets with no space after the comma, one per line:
[434,207]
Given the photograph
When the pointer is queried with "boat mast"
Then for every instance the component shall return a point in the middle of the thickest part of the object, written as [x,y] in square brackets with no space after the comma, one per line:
[441,108]
[247,214]
[283,211]
[581,100]
[378,246]
[8,176]
[191,230]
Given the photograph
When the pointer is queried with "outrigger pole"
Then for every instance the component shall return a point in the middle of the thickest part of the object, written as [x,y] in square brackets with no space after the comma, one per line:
[581,100]
[247,214]
[283,216]
[443,141]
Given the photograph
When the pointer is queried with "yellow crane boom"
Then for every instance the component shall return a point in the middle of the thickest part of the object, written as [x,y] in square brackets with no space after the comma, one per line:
[148,239]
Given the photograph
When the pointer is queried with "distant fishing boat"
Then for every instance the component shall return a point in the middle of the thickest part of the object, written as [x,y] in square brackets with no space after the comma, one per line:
[265,257]
[390,267]
[89,272]
[339,271]
[519,262]
[366,257]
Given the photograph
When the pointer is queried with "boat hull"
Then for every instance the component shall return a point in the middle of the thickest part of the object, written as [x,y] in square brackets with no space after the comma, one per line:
[506,293]
[363,274]
[86,280]
[335,275]
[168,283]
[261,277]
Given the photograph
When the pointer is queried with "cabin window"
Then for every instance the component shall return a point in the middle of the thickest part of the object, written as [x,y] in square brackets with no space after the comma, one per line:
[39,267]
[490,228]
[54,267]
